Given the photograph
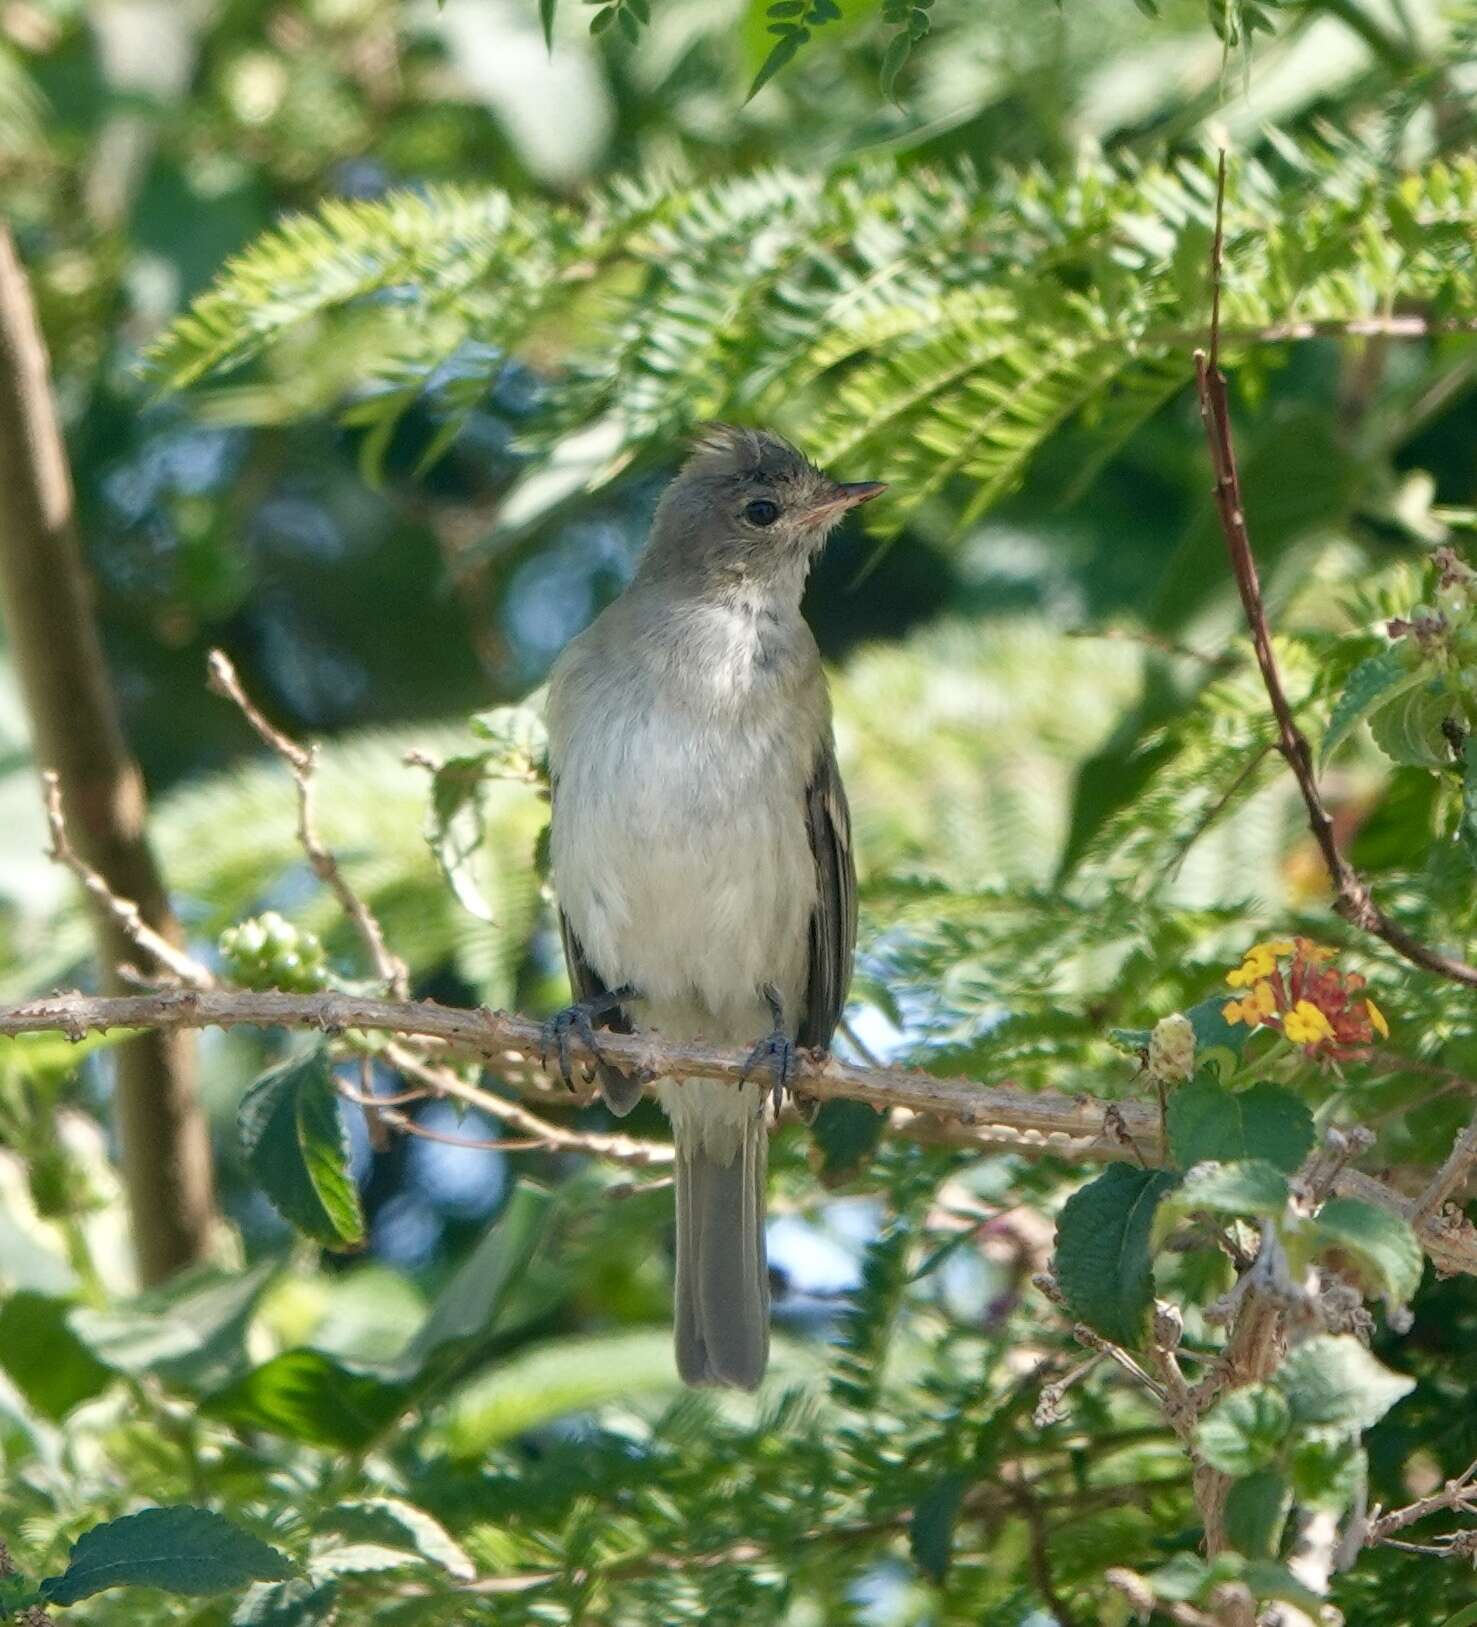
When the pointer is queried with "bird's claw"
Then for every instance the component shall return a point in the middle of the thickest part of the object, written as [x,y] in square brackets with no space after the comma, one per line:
[555,1036]
[776,1052]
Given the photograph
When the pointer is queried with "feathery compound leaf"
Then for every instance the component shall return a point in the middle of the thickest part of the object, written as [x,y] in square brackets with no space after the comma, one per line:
[926,328]
[184,1550]
[1102,1259]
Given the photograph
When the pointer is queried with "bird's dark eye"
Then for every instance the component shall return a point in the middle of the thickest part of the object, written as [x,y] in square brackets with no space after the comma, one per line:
[761,511]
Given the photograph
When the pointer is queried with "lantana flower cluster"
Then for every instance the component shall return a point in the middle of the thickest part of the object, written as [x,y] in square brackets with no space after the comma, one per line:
[1290,986]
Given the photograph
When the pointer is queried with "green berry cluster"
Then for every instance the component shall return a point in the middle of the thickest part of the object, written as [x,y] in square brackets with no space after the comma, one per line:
[268,952]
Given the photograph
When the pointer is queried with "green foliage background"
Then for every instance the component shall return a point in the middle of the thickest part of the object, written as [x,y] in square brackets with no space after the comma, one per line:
[424,427]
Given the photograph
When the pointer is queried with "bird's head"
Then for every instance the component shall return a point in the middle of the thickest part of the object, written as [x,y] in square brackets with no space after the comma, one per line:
[748,505]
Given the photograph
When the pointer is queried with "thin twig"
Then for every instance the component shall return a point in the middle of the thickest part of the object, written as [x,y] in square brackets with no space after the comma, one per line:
[302,761]
[1449,1179]
[1352,897]
[1460,1493]
[123,910]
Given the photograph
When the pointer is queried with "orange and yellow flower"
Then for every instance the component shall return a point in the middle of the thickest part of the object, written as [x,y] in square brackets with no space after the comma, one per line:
[1316,1006]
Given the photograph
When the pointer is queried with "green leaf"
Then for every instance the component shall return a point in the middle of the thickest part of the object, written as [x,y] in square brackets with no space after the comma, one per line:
[1218,1044]
[845,1135]
[546,10]
[1102,1257]
[1243,1432]
[1381,1246]
[468,1306]
[931,1529]
[1250,1187]
[391,1523]
[1333,1380]
[287,1604]
[1256,1511]
[894,59]
[295,1144]
[782,52]
[313,1397]
[1465,1617]
[1372,683]
[1467,829]
[1411,729]
[190,1333]
[552,1380]
[1208,1122]
[44,1358]
[458,829]
[183,1550]
[1327,1469]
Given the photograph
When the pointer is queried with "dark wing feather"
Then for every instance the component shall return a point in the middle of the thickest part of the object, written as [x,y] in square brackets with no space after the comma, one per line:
[833,921]
[620,1091]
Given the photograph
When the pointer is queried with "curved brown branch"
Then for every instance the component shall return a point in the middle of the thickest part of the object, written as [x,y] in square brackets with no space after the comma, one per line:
[922,1106]
[1352,897]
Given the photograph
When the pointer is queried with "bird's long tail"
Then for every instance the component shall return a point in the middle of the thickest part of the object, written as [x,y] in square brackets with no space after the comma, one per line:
[722,1317]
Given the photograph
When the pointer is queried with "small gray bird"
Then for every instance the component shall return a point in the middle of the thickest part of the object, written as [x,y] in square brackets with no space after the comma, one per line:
[701,845]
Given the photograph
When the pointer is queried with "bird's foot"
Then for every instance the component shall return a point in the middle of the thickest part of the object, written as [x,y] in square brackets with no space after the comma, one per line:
[579,1019]
[776,1051]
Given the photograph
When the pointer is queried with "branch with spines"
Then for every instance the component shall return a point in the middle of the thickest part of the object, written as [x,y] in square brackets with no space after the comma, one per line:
[922,1106]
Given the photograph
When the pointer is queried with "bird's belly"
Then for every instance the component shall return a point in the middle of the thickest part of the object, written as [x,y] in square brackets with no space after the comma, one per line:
[683,864]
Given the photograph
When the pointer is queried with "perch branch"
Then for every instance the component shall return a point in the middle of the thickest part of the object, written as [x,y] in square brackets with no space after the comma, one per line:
[1000,1116]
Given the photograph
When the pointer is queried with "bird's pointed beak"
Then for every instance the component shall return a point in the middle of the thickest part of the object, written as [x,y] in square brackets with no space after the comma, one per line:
[843,496]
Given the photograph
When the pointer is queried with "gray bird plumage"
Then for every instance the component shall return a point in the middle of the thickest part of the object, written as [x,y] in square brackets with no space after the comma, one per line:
[701,844]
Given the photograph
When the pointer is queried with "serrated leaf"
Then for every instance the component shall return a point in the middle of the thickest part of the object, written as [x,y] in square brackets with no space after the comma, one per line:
[1411,729]
[1249,1187]
[1102,1259]
[296,1146]
[1244,1431]
[392,1523]
[931,1529]
[184,1550]
[1333,1380]
[1207,1121]
[1381,1245]
[1256,1511]
[1372,683]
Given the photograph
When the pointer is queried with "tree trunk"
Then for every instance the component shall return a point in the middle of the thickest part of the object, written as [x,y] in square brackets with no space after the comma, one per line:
[46,598]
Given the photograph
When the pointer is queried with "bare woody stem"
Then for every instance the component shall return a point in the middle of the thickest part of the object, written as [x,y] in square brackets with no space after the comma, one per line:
[922,1106]
[46,599]
[1352,898]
